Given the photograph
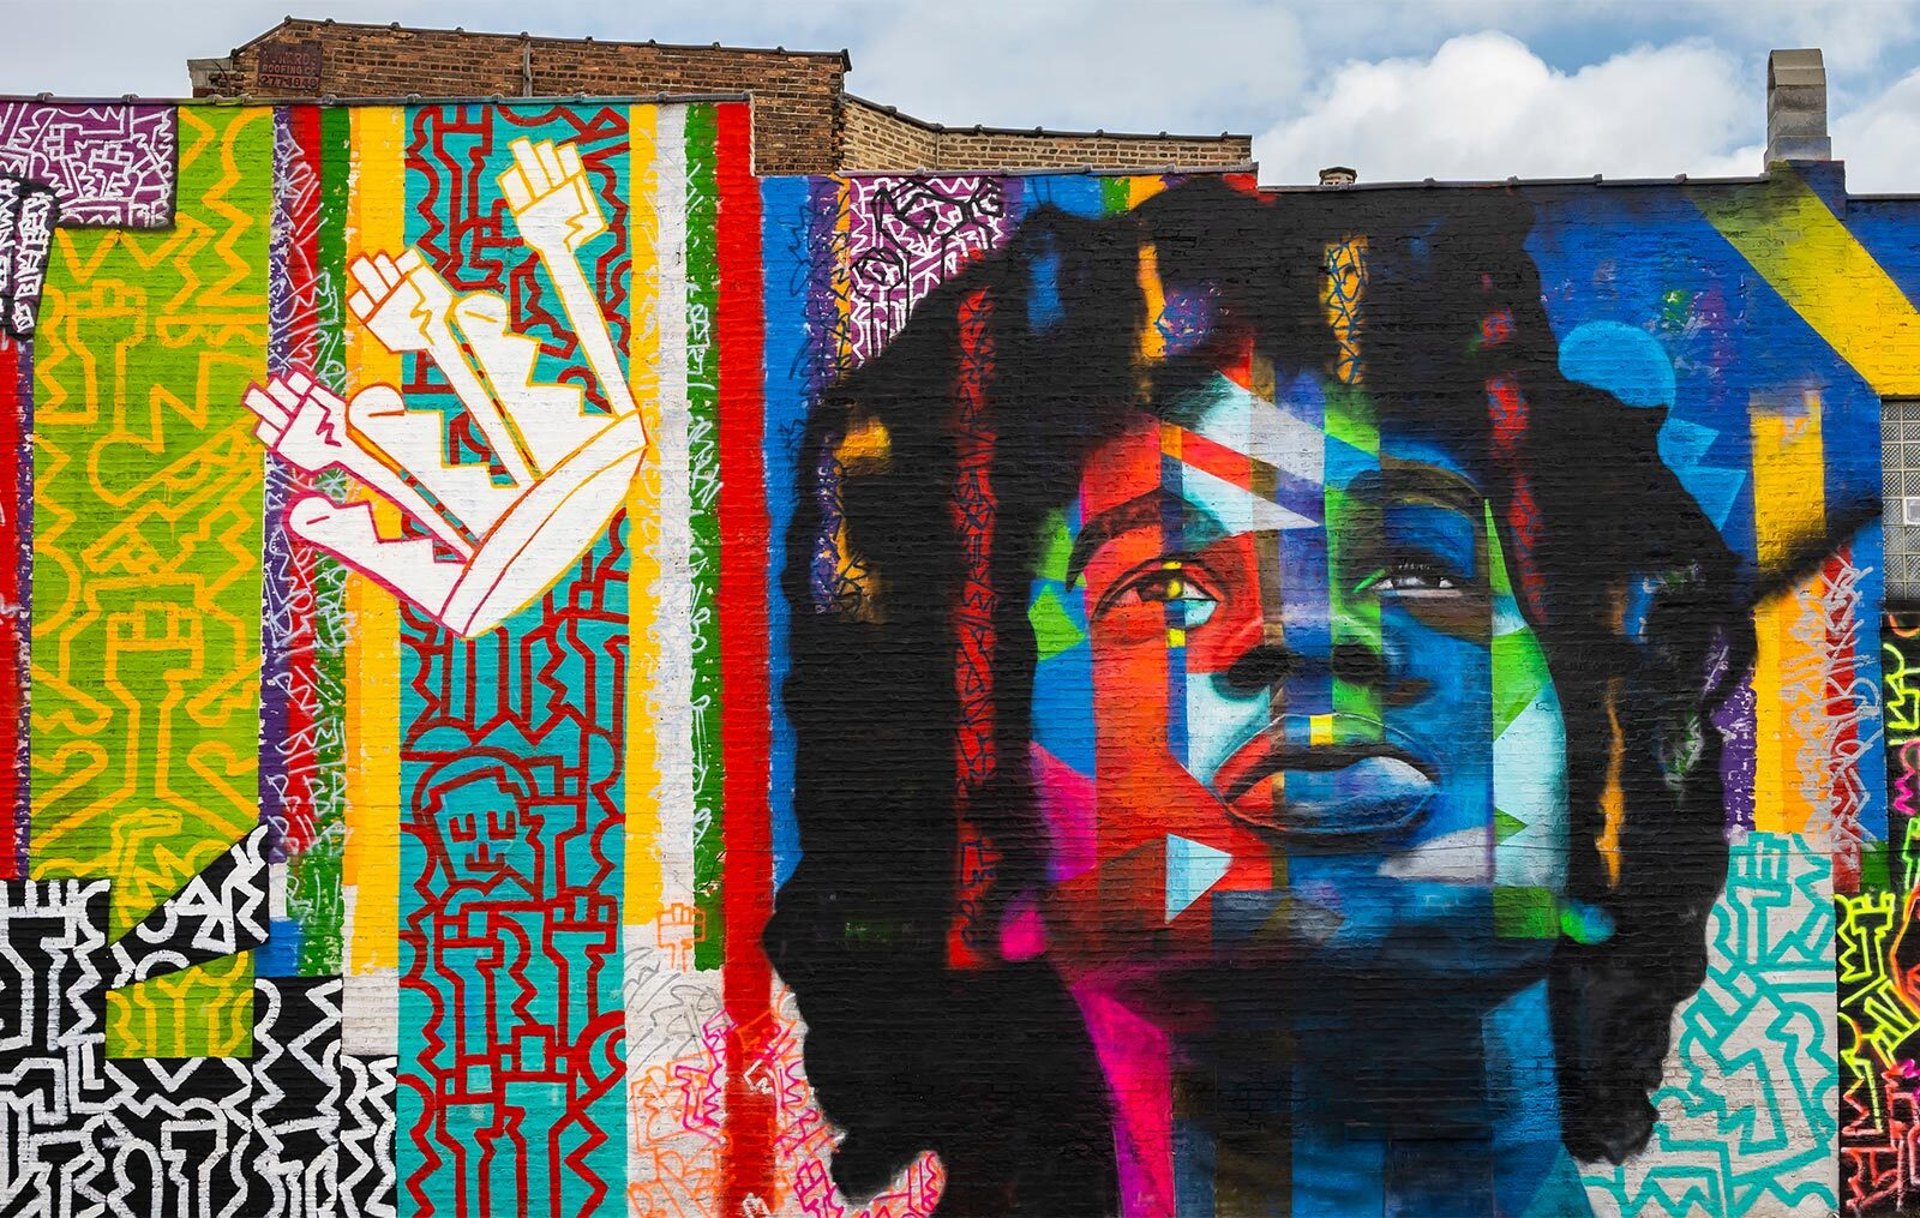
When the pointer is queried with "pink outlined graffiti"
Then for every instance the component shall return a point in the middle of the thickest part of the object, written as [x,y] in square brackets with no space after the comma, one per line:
[906,236]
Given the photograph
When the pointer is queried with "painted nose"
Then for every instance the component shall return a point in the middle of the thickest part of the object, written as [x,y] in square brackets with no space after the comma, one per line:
[1268,664]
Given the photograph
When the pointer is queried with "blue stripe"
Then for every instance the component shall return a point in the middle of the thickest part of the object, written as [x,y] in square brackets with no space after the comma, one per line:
[796,217]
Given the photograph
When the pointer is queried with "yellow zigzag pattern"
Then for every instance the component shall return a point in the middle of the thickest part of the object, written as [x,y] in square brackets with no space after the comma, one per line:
[146,594]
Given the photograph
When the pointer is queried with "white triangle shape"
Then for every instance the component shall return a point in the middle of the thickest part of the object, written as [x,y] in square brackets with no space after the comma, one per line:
[1192,868]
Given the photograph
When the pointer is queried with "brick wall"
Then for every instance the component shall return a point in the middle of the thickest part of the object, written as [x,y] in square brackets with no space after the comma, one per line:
[795,121]
[871,138]
[803,120]
[880,138]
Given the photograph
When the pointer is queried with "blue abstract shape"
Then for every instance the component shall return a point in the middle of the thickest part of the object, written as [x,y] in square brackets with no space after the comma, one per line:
[1044,310]
[1192,868]
[1684,444]
[280,956]
[1716,490]
[1063,701]
[1624,360]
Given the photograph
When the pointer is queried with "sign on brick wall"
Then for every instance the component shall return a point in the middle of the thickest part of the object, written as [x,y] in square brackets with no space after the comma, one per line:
[288,67]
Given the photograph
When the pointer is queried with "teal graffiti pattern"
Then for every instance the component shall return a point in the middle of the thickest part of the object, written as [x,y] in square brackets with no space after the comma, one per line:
[1747,1123]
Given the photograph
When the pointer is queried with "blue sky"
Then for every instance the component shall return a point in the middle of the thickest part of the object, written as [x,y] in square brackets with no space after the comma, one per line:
[1397,88]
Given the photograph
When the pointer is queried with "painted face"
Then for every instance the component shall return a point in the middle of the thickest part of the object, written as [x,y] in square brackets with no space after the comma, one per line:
[1287,706]
[488,835]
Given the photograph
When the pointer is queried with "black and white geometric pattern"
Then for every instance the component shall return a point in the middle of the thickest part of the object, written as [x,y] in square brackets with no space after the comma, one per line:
[28,212]
[293,1130]
[221,911]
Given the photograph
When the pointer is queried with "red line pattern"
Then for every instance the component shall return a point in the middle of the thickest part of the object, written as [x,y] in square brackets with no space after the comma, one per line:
[512,1032]
[16,402]
[973,519]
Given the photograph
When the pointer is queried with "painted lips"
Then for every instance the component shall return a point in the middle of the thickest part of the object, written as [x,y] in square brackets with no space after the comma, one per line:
[1350,787]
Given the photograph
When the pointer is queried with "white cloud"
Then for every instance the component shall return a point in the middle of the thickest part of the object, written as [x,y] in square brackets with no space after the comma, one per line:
[1857,35]
[1854,35]
[1193,65]
[1481,105]
[1880,141]
[1485,106]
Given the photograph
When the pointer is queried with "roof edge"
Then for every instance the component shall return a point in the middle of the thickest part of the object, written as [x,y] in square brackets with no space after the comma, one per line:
[1678,179]
[980,129]
[411,99]
[845,58]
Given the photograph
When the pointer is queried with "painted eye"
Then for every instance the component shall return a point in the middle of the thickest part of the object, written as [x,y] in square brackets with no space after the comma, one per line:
[1187,605]
[1410,580]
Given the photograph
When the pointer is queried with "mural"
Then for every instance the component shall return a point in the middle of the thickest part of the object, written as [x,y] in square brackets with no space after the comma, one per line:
[552,675]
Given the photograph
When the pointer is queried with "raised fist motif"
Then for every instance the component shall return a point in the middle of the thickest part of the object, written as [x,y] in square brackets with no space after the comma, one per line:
[548,192]
[491,548]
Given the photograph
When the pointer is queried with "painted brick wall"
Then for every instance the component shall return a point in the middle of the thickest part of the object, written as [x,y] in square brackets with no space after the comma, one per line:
[543,671]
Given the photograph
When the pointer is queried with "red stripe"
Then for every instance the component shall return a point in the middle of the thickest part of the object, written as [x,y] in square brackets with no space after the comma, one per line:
[1843,753]
[972,509]
[304,259]
[746,736]
[14,398]
[1509,407]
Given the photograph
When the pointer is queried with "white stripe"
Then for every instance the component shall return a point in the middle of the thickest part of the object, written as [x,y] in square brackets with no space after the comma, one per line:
[1237,509]
[667,1003]
[1255,427]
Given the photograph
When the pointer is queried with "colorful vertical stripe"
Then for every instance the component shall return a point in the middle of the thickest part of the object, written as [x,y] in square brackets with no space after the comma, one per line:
[370,864]
[147,604]
[16,589]
[704,473]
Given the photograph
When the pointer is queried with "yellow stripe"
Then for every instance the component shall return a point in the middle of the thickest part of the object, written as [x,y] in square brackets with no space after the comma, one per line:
[1613,796]
[645,627]
[1153,343]
[371,862]
[843,270]
[1142,188]
[1789,503]
[1803,250]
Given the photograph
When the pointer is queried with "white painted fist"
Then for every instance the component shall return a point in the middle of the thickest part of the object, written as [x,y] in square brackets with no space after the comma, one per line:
[490,547]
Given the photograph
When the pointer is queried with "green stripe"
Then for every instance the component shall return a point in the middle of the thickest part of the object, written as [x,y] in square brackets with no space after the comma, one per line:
[703,461]
[1355,616]
[335,151]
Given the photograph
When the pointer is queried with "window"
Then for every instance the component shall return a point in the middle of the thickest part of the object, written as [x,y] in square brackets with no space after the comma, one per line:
[1900,470]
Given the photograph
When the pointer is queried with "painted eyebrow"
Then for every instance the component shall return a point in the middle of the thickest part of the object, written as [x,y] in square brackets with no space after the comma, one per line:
[1393,482]
[1137,513]
[1401,481]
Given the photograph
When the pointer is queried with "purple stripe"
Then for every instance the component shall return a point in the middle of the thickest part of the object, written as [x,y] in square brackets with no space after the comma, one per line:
[23,621]
[1735,722]
[110,165]
[277,585]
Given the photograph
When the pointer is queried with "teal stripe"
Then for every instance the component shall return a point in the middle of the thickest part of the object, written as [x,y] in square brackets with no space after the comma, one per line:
[510,1003]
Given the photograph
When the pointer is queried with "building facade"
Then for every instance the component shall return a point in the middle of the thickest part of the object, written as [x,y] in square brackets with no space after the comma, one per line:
[551,668]
[804,120]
